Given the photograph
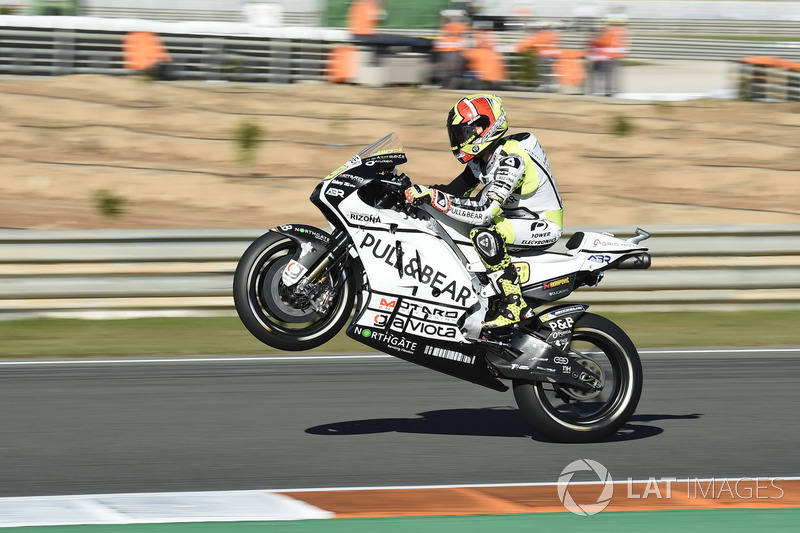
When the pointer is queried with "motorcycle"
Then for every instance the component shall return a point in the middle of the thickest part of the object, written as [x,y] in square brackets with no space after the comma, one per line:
[412,285]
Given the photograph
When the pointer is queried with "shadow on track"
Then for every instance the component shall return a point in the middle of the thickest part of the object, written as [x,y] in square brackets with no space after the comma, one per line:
[486,422]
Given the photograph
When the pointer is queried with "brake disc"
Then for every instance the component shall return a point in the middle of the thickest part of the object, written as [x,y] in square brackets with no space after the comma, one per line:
[592,366]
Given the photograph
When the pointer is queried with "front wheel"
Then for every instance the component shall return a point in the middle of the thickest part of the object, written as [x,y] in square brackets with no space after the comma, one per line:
[565,414]
[273,313]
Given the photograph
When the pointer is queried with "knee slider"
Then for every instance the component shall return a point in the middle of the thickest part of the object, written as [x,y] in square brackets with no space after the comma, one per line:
[489,245]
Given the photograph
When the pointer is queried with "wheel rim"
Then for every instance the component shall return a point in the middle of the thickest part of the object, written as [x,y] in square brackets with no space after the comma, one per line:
[603,352]
[268,301]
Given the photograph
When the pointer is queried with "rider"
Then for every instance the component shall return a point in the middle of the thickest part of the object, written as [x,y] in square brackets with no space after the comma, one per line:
[518,205]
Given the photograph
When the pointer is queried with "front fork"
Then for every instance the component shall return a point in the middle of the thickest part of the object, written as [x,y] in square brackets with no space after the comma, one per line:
[308,272]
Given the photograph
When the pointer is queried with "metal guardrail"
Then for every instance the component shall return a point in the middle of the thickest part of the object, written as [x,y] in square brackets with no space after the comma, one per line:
[225,51]
[120,273]
[60,51]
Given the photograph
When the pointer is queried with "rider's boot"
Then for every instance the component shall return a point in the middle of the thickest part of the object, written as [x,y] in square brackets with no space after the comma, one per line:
[491,247]
[512,306]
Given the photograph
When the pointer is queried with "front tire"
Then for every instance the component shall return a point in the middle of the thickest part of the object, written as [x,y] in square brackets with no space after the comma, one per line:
[566,415]
[267,309]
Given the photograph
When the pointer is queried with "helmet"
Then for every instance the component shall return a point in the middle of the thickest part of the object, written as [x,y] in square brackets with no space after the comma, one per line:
[474,124]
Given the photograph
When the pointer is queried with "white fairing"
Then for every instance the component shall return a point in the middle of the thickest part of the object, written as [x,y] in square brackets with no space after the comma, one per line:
[439,266]
[596,251]
[428,270]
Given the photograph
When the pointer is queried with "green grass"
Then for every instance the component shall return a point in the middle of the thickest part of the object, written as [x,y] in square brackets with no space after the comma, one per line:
[46,337]
[227,336]
[668,521]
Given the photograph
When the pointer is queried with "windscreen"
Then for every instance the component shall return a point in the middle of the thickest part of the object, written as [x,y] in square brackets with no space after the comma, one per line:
[390,143]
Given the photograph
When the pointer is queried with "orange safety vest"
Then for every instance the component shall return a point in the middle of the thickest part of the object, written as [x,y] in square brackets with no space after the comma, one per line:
[342,64]
[362,17]
[569,68]
[488,64]
[543,42]
[614,42]
[451,37]
[142,50]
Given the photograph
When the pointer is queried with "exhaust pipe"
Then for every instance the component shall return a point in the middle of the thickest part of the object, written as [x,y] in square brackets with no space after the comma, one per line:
[639,261]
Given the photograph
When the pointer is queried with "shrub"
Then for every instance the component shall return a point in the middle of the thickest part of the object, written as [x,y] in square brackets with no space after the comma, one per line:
[247,135]
[108,203]
[621,125]
[525,69]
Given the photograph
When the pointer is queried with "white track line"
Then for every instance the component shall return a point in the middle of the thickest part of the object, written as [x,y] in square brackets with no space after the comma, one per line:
[300,358]
[147,360]
[531,484]
[722,350]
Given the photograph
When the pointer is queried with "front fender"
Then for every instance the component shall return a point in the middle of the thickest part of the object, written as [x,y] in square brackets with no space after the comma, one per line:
[301,233]
[313,244]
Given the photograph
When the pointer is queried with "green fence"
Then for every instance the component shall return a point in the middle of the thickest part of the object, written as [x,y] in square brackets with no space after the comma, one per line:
[405,14]
[57,7]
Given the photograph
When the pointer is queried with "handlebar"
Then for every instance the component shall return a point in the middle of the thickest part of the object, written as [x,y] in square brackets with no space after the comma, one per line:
[393,196]
[401,182]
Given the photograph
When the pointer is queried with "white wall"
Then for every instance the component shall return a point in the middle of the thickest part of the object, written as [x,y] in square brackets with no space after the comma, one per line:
[686,9]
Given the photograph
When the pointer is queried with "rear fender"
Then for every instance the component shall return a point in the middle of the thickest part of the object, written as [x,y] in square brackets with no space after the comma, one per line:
[557,323]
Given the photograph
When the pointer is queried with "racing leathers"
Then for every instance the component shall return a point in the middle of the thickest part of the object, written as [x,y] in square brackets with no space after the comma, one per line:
[519,205]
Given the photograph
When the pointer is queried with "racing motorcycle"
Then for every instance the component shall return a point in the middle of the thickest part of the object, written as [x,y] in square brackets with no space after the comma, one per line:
[410,283]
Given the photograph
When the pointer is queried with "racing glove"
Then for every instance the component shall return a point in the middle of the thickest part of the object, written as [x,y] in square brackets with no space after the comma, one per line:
[418,194]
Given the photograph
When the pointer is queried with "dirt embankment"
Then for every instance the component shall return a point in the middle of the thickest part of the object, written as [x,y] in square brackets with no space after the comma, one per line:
[167,150]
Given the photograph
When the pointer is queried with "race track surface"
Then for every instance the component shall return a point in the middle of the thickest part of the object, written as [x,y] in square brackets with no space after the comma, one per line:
[302,422]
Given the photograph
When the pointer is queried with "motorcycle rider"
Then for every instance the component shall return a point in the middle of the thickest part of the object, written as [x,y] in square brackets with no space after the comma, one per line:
[518,205]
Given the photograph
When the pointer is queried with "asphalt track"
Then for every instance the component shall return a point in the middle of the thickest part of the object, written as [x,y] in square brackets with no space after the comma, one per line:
[300,422]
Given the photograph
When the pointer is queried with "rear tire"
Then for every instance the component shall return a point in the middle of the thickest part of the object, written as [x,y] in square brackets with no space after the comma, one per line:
[274,319]
[563,415]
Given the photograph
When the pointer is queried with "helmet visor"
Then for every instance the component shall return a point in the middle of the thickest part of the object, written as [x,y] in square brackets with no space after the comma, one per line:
[461,134]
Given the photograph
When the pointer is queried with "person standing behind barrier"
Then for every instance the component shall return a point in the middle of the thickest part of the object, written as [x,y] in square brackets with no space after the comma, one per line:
[363,17]
[144,51]
[449,48]
[618,46]
[484,62]
[606,47]
[598,71]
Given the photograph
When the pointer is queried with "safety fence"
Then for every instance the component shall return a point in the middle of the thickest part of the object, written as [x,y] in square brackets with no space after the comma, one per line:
[122,273]
[769,78]
[219,51]
[240,52]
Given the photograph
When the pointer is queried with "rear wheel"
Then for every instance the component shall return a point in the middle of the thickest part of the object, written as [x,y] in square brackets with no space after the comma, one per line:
[566,414]
[275,314]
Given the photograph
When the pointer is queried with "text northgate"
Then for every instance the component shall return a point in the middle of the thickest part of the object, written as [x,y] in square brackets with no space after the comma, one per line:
[423,273]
